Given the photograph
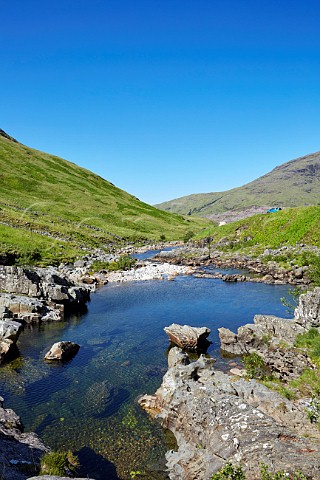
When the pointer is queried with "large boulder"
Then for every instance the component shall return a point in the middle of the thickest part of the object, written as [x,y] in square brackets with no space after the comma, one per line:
[217,419]
[20,452]
[62,351]
[188,338]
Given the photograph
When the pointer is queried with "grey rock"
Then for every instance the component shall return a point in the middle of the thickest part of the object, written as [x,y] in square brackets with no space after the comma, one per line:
[20,452]
[10,330]
[186,337]
[273,339]
[19,281]
[43,283]
[307,313]
[216,419]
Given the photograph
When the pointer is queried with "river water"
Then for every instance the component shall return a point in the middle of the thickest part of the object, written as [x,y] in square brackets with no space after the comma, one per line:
[89,404]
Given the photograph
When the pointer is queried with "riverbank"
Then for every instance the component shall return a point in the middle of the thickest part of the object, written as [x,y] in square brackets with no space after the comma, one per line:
[265,268]
[219,418]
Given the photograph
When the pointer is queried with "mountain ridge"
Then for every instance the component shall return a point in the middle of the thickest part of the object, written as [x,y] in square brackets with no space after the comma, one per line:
[294,183]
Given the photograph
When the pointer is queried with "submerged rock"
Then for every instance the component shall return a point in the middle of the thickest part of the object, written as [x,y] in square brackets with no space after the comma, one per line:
[188,338]
[62,351]
[217,419]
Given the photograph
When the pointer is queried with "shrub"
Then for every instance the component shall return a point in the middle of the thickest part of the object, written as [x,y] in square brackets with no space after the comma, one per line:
[124,262]
[314,271]
[267,475]
[292,302]
[254,365]
[188,236]
[59,463]
[229,472]
[311,341]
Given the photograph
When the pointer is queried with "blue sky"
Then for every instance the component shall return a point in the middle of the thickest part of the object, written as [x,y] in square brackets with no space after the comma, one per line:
[163,98]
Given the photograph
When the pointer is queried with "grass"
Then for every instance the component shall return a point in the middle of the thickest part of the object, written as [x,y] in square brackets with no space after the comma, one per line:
[276,385]
[56,206]
[311,342]
[288,227]
[308,384]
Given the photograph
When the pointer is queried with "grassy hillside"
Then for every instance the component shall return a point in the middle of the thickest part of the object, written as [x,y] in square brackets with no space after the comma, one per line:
[295,183]
[52,205]
[259,232]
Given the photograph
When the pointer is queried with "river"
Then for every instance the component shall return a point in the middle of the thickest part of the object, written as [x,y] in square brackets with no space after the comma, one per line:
[89,404]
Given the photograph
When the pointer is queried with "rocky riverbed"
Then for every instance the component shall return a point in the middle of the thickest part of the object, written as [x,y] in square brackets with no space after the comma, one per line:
[150,271]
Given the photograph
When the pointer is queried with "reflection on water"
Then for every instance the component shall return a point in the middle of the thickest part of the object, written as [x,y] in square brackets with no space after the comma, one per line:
[89,404]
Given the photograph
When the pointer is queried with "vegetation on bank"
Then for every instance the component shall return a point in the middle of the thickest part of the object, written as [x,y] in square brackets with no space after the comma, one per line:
[307,385]
[270,230]
[59,463]
[124,262]
[230,472]
[60,210]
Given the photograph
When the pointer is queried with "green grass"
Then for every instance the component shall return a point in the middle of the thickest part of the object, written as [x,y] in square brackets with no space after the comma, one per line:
[310,341]
[42,193]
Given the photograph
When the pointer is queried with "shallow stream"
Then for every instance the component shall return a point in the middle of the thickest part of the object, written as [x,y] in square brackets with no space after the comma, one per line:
[89,404]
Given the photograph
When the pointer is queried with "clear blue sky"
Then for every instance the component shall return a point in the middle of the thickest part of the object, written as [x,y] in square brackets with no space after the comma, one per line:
[163,97]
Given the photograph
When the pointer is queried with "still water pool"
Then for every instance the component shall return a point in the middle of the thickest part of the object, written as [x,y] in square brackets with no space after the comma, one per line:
[89,404]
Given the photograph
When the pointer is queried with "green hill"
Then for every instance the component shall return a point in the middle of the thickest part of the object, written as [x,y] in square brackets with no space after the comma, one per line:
[50,205]
[295,183]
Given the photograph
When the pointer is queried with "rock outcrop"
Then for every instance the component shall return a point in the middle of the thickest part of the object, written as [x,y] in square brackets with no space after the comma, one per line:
[273,338]
[307,313]
[62,351]
[217,419]
[20,452]
[33,296]
[188,338]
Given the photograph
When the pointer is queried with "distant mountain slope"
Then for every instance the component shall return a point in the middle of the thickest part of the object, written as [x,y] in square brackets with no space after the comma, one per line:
[46,195]
[295,183]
